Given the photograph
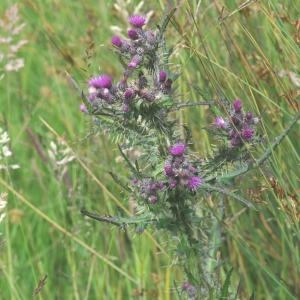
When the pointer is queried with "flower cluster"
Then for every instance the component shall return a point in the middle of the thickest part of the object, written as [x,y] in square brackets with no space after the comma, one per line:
[239,127]
[140,43]
[149,189]
[5,152]
[139,49]
[10,43]
[179,170]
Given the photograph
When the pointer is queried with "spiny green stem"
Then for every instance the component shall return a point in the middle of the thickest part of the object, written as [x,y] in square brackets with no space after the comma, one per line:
[184,104]
[227,192]
[119,221]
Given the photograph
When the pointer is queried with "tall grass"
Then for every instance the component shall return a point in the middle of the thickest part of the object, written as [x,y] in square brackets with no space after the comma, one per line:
[221,52]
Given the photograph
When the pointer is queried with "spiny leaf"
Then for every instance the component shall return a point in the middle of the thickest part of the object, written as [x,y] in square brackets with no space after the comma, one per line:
[118,181]
[227,192]
[130,165]
[165,22]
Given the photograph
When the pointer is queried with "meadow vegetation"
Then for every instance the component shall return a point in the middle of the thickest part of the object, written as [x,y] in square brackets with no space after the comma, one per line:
[48,250]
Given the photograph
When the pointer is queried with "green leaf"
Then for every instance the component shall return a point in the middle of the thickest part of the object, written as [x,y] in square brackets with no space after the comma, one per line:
[165,22]
[226,285]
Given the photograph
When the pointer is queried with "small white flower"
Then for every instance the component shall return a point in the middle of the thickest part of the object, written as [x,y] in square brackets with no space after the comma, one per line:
[2,216]
[14,65]
[15,167]
[4,138]
[6,151]
[3,200]
[3,203]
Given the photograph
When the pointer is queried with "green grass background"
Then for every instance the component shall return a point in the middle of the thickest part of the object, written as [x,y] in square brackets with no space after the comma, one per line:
[44,233]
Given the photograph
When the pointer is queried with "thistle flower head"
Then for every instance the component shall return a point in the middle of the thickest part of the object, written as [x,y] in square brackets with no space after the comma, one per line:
[135,61]
[237,105]
[220,122]
[129,94]
[83,108]
[137,21]
[194,182]
[168,169]
[162,76]
[149,189]
[177,149]
[102,81]
[116,41]
[247,133]
[132,34]
[249,116]
[153,199]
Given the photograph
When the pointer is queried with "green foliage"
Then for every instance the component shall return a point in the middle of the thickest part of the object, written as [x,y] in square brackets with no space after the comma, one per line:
[241,55]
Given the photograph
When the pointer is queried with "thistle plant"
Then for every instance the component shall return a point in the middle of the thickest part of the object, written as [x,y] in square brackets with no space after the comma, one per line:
[169,180]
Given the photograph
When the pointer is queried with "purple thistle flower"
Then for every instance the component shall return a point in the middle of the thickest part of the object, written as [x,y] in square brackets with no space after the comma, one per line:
[220,122]
[247,133]
[194,182]
[160,185]
[106,95]
[152,199]
[249,116]
[162,76]
[172,183]
[137,21]
[132,34]
[168,169]
[177,149]
[92,97]
[129,94]
[116,41]
[147,95]
[83,108]
[237,105]
[102,81]
[135,61]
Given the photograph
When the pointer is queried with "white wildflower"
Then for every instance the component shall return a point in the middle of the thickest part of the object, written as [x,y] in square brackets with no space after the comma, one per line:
[14,65]
[10,43]
[5,152]
[3,203]
[295,79]
[60,156]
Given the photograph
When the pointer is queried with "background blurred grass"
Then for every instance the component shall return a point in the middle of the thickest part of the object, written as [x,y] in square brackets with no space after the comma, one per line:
[221,51]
